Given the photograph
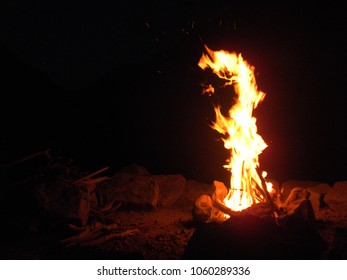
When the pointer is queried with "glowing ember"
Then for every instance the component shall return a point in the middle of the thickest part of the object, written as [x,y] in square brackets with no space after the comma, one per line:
[239,129]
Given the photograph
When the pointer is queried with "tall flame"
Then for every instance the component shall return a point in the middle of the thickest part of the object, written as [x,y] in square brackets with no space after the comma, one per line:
[239,128]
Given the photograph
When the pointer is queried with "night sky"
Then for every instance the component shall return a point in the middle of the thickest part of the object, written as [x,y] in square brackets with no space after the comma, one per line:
[115,84]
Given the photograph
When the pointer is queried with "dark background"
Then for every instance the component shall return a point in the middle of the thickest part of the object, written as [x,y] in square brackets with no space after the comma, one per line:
[115,84]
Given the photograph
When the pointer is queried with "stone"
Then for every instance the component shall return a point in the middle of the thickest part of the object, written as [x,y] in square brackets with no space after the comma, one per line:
[194,189]
[202,209]
[69,202]
[317,198]
[221,190]
[171,188]
[275,184]
[134,192]
[135,170]
[288,186]
[336,197]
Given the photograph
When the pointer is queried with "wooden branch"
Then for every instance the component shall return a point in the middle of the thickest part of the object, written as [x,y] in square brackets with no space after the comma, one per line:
[267,195]
[99,197]
[34,155]
[76,228]
[111,205]
[78,181]
[87,230]
[98,180]
[92,183]
[89,233]
[97,213]
[258,191]
[226,210]
[110,236]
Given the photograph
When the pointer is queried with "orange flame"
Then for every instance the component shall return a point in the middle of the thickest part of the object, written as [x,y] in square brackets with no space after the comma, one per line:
[239,128]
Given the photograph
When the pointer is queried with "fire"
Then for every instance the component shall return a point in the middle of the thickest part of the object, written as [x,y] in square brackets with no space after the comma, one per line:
[239,129]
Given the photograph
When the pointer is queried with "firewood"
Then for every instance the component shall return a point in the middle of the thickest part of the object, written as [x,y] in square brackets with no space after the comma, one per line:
[104,238]
[97,181]
[82,233]
[220,206]
[267,195]
[34,155]
[92,184]
[97,213]
[76,228]
[111,206]
[79,181]
[90,233]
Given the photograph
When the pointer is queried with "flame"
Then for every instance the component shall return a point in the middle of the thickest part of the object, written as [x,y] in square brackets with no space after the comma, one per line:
[239,129]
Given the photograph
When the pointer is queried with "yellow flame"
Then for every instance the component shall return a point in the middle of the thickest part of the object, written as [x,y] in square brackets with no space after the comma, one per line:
[239,127]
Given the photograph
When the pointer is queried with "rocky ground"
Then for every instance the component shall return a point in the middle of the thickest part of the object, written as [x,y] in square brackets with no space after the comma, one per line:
[136,215]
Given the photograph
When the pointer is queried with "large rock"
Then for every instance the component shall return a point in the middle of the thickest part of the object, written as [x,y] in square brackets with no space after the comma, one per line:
[66,201]
[288,186]
[202,209]
[135,170]
[317,198]
[195,189]
[275,184]
[336,198]
[171,188]
[221,190]
[131,191]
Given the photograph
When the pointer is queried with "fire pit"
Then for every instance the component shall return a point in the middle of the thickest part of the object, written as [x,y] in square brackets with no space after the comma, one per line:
[255,221]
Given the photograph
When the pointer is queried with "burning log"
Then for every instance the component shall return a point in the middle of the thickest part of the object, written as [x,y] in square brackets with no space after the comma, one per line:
[211,208]
[255,233]
[220,206]
[268,197]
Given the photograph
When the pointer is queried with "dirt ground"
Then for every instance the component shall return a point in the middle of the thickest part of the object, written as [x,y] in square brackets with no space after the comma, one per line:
[165,233]
[159,234]
[162,234]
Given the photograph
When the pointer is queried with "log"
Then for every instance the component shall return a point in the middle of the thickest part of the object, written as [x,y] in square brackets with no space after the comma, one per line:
[226,210]
[267,195]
